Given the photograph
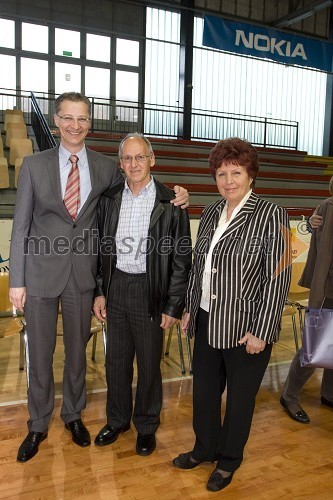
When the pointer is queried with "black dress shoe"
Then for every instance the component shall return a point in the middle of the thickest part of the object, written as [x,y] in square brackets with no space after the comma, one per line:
[185,461]
[29,447]
[80,434]
[326,402]
[217,482]
[300,416]
[109,435]
[145,444]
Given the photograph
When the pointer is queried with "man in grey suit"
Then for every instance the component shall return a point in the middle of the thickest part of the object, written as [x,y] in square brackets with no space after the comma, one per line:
[53,259]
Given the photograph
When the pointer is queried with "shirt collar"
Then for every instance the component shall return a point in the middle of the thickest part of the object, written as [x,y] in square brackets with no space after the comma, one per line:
[64,154]
[236,210]
[149,188]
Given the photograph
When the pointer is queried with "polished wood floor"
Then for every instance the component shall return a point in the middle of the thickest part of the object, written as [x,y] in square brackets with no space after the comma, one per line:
[283,459]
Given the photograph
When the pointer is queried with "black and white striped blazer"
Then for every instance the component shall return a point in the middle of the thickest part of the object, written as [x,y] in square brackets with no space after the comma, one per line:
[250,273]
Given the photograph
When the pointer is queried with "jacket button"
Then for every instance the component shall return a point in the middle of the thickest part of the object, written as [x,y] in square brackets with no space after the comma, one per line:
[74,226]
[214,270]
[213,296]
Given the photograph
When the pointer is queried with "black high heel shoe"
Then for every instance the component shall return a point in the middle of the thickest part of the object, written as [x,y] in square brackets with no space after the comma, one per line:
[217,482]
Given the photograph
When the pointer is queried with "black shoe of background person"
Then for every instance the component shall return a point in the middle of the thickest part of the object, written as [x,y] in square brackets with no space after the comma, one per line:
[80,434]
[300,416]
[326,402]
[29,446]
[185,461]
[109,435]
[217,482]
[145,444]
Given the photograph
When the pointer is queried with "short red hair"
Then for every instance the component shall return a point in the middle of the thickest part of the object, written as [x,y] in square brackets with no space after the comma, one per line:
[236,151]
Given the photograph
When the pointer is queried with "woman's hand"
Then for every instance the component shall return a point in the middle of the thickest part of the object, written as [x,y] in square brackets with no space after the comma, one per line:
[185,321]
[99,308]
[253,344]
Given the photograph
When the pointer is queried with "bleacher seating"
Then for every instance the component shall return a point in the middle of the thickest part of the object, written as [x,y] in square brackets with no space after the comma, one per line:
[19,148]
[4,174]
[13,116]
[15,131]
[18,163]
[1,147]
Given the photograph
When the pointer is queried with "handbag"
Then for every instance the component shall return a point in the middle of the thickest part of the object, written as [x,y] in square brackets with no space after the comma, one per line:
[317,341]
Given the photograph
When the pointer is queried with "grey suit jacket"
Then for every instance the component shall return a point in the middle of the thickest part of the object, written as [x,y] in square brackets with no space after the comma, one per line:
[318,271]
[250,272]
[46,243]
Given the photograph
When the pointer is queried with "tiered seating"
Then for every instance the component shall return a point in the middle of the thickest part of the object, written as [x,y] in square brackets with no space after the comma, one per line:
[286,177]
[15,131]
[19,148]
[13,116]
[4,174]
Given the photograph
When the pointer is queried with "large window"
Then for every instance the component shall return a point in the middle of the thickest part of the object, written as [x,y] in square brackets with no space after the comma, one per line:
[35,38]
[67,43]
[7,33]
[67,78]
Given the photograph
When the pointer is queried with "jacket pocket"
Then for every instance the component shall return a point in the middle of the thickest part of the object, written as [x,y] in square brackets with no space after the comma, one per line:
[246,305]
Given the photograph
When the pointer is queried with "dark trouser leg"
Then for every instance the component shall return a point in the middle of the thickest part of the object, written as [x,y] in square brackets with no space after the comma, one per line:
[41,315]
[148,340]
[119,355]
[208,384]
[295,381]
[76,314]
[327,385]
[244,375]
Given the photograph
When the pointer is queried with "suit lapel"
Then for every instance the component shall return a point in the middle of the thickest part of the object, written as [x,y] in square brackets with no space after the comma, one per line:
[236,225]
[94,168]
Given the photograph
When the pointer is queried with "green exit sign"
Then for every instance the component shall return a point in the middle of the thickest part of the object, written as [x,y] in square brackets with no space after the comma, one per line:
[67,53]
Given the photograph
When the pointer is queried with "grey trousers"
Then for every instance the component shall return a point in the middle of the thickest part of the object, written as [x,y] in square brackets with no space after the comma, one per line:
[41,314]
[297,377]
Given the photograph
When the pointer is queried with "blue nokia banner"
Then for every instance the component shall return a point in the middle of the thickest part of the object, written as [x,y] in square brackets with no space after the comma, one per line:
[267,43]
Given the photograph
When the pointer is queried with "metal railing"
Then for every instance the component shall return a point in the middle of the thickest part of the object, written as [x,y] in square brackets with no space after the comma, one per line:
[44,137]
[122,117]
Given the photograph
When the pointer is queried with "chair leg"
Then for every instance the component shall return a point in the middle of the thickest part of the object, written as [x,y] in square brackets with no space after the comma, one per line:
[26,355]
[104,336]
[295,332]
[167,350]
[189,353]
[93,350]
[181,352]
[22,349]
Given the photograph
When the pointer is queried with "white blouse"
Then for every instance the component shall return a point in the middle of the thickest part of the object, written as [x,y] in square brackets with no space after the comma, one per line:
[221,228]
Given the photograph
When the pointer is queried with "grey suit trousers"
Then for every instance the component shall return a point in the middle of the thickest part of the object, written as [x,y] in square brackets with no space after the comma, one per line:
[298,376]
[41,315]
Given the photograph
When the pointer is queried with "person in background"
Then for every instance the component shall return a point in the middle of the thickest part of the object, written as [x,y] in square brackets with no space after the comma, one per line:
[145,258]
[236,293]
[53,260]
[318,277]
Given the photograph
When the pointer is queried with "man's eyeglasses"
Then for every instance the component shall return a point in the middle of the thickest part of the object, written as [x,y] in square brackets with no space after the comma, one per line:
[127,160]
[83,120]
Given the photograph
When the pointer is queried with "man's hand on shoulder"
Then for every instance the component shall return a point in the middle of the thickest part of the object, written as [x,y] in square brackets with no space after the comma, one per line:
[182,197]
[315,220]
[17,297]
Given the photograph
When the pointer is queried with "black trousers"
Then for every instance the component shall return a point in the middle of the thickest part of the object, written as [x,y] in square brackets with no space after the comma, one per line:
[213,371]
[132,332]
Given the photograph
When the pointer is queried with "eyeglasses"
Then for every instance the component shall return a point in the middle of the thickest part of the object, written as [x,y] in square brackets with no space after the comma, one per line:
[127,160]
[83,120]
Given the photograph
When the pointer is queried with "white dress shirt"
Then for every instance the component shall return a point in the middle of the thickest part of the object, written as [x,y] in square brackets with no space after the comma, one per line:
[221,228]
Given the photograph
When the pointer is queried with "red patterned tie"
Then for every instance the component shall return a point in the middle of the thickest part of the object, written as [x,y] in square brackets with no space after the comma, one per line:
[72,193]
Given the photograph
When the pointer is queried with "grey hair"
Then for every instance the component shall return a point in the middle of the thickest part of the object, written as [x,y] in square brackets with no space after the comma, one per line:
[135,135]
